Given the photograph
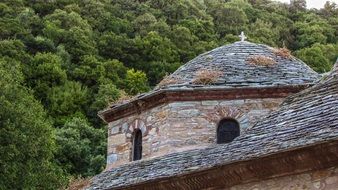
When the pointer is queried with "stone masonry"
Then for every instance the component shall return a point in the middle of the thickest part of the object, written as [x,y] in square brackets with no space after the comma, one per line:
[181,126]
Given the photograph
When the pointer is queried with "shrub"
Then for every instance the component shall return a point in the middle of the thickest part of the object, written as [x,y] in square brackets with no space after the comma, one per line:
[136,82]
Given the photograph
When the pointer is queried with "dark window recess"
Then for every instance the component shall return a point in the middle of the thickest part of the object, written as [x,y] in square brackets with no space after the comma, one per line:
[227,131]
[137,149]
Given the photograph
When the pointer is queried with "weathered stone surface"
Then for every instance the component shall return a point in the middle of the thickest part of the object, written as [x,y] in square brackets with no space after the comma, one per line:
[210,103]
[111,149]
[114,130]
[125,127]
[184,125]
[183,104]
[116,139]
[188,113]
[232,103]
[111,158]
[123,147]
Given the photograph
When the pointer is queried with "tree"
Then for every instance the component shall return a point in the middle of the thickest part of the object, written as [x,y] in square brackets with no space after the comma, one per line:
[96,14]
[263,32]
[92,71]
[80,43]
[45,73]
[203,29]
[144,23]
[184,41]
[107,94]
[298,5]
[157,70]
[66,100]
[40,44]
[136,82]
[317,57]
[81,147]
[313,29]
[154,47]
[71,30]
[229,18]
[14,49]
[11,28]
[30,21]
[330,9]
[26,136]
[120,47]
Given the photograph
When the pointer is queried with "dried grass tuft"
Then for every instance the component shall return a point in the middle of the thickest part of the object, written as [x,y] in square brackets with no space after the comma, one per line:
[261,60]
[205,76]
[162,115]
[168,80]
[124,97]
[282,52]
[79,183]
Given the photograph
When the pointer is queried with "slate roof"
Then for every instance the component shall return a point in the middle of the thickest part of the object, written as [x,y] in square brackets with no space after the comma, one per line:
[232,61]
[304,119]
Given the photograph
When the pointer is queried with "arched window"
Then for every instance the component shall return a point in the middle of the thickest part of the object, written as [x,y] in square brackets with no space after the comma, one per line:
[227,131]
[137,145]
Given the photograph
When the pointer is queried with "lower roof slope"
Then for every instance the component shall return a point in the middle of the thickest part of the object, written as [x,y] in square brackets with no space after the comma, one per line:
[303,120]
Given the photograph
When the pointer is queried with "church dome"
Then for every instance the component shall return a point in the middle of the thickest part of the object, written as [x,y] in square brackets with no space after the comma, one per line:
[241,64]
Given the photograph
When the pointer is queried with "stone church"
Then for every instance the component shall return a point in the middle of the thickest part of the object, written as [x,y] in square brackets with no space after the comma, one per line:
[241,116]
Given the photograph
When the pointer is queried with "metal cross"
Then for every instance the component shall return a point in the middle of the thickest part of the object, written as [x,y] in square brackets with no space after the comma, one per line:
[242,36]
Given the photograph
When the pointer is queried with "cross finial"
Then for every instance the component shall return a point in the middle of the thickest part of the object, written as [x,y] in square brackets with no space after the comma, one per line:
[242,36]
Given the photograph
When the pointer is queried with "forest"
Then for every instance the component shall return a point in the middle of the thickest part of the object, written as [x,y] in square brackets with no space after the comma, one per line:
[61,61]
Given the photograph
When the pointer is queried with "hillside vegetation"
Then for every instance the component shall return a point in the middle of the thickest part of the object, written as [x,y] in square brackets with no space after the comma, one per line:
[61,61]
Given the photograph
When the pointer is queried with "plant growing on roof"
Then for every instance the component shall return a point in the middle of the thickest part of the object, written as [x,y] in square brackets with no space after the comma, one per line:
[168,80]
[79,183]
[124,98]
[282,52]
[261,60]
[206,76]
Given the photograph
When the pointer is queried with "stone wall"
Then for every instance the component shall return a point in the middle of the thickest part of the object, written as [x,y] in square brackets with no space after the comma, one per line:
[316,180]
[181,126]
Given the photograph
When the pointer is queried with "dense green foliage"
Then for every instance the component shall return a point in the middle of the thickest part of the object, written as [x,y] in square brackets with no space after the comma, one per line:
[63,61]
[26,136]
